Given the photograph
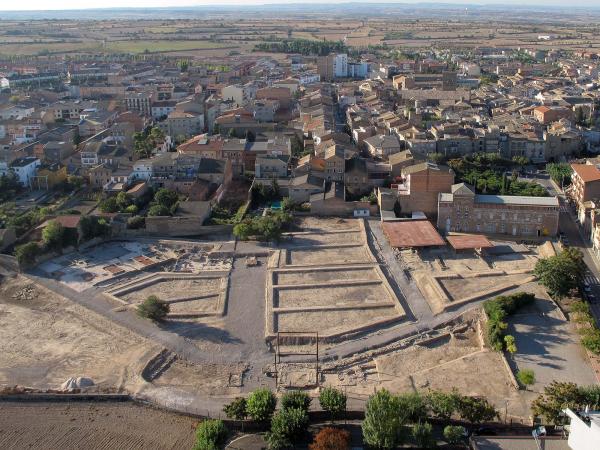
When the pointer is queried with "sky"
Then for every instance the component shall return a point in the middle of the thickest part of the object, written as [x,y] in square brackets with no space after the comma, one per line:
[31,5]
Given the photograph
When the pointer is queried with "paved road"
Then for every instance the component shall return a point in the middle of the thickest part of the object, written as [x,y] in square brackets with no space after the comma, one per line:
[575,238]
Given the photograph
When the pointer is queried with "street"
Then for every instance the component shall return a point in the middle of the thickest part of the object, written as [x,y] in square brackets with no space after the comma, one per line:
[574,238]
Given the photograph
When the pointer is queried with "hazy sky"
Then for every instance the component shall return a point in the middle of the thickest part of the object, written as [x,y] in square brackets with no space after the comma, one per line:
[8,5]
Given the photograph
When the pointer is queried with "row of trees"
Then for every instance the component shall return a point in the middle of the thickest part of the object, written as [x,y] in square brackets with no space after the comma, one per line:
[487,173]
[497,310]
[391,419]
[163,203]
[55,237]
[289,424]
[303,46]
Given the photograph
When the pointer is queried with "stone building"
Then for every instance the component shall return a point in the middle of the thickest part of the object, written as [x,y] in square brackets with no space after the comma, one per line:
[462,210]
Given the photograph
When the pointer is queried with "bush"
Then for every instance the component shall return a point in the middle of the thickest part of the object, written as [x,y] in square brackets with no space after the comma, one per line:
[153,308]
[333,401]
[136,222]
[331,439]
[131,209]
[261,404]
[210,435]
[287,425]
[382,426]
[497,310]
[159,210]
[26,253]
[526,377]
[423,435]
[296,399]
[236,409]
[454,434]
[53,235]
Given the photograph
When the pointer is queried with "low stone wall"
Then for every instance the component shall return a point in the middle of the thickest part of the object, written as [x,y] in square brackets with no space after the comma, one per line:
[177,227]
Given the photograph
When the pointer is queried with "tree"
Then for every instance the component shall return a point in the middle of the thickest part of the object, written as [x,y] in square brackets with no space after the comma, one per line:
[53,235]
[413,406]
[261,404]
[476,409]
[526,377]
[26,253]
[333,401]
[166,197]
[287,425]
[561,273]
[556,397]
[123,200]
[560,173]
[236,409]
[184,65]
[92,227]
[423,435]
[443,404]
[159,210]
[454,434]
[109,205]
[153,308]
[331,439]
[142,145]
[382,426]
[210,435]
[76,137]
[296,399]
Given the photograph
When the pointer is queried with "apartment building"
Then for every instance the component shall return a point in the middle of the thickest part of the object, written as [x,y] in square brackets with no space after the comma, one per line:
[585,183]
[462,210]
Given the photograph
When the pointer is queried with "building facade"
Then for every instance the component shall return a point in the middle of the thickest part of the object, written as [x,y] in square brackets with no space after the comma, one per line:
[464,211]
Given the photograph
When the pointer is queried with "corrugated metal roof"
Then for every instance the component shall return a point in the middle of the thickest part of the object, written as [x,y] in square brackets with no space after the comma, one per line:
[517,200]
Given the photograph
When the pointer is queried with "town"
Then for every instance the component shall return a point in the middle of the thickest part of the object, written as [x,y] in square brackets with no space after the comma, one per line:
[293,229]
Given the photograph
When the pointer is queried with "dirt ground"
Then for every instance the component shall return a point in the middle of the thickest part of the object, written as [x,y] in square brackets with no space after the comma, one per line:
[45,339]
[306,276]
[458,361]
[174,289]
[337,255]
[77,425]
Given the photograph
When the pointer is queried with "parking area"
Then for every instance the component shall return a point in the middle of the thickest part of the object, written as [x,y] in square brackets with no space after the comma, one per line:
[548,345]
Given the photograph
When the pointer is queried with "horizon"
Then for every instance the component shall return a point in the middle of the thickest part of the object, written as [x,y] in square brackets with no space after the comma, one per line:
[105,5]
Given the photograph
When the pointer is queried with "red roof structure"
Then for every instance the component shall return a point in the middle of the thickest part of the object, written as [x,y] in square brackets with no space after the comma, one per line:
[468,241]
[412,233]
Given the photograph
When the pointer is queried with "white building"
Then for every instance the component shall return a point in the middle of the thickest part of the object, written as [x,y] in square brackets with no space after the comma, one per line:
[340,66]
[358,69]
[309,78]
[142,170]
[584,430]
[25,169]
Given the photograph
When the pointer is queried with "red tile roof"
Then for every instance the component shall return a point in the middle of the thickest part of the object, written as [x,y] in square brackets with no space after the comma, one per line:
[412,233]
[586,172]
